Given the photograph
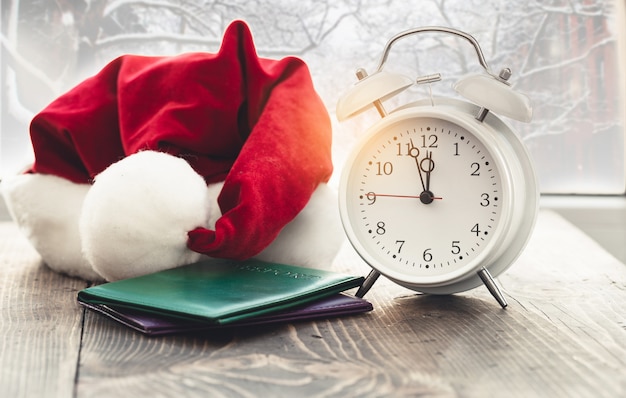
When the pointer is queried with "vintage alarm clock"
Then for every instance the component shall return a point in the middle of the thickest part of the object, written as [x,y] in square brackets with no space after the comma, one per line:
[440,195]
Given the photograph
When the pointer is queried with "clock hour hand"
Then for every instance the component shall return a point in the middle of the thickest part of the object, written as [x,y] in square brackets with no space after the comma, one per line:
[414,152]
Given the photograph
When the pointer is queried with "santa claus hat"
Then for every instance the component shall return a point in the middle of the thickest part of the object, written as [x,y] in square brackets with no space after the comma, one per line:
[254,124]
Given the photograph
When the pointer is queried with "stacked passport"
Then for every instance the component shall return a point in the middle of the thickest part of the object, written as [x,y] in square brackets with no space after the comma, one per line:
[224,293]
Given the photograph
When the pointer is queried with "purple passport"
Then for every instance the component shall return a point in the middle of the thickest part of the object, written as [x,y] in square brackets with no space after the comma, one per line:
[156,325]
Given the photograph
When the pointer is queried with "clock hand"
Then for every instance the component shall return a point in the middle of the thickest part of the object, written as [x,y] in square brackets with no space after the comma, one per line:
[428,169]
[414,152]
[426,197]
[373,195]
[396,196]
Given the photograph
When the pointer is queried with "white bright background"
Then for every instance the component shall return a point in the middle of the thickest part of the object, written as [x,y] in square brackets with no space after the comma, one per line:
[565,54]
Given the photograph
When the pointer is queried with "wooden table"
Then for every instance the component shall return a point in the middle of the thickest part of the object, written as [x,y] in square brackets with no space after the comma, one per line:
[563,334]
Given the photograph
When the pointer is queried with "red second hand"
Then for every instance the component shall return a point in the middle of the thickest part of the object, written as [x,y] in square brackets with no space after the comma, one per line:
[403,196]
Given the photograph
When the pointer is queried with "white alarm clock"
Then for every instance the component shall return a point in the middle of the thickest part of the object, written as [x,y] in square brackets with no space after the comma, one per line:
[440,195]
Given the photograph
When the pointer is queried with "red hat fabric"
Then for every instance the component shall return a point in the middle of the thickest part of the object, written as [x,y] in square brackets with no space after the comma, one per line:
[255,123]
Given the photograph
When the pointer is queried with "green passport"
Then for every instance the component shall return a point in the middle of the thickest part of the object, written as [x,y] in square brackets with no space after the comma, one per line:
[219,291]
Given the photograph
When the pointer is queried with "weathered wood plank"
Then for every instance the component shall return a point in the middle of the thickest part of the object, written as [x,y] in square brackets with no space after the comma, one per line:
[563,334]
[40,323]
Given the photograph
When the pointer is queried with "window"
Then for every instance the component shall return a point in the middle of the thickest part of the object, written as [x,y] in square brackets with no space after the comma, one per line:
[564,53]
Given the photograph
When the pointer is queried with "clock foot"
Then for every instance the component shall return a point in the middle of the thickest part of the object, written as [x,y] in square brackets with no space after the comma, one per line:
[491,285]
[367,283]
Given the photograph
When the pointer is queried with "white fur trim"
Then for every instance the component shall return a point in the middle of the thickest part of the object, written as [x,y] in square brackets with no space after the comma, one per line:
[137,215]
[135,219]
[47,208]
[313,238]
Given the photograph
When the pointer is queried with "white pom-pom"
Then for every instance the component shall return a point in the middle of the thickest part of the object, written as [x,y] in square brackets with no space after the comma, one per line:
[137,214]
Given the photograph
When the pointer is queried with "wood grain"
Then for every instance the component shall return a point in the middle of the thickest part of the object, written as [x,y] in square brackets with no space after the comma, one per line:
[563,334]
[40,323]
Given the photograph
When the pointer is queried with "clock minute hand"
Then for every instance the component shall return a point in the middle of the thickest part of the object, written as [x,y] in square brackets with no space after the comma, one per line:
[428,169]
[427,197]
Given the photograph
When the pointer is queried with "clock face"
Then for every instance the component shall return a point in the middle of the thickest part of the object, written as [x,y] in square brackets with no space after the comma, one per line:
[424,200]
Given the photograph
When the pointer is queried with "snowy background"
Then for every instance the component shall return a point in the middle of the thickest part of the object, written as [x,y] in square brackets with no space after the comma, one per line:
[564,54]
